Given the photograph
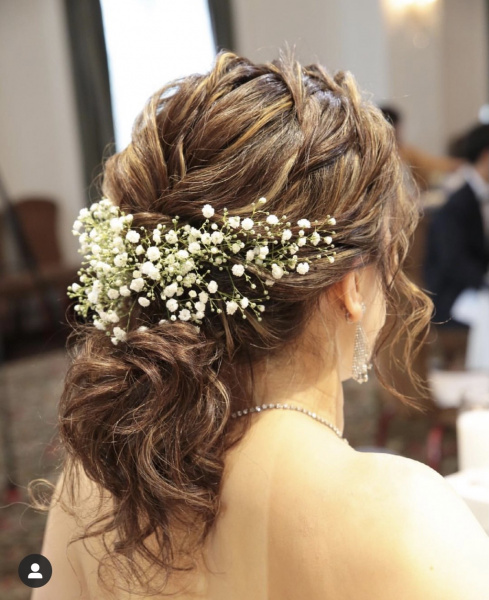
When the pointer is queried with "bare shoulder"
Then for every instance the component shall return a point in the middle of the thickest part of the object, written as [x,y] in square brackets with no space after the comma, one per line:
[74,563]
[437,543]
[390,527]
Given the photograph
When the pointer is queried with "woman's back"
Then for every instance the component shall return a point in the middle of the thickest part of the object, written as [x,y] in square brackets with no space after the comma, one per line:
[305,516]
[311,518]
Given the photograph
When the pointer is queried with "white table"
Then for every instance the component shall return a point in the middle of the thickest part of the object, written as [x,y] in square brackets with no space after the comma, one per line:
[473,486]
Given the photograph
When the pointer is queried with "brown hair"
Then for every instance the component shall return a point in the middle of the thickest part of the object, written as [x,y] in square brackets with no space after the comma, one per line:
[149,420]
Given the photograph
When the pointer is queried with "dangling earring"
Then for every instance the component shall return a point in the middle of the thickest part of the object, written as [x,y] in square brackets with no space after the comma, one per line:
[361,356]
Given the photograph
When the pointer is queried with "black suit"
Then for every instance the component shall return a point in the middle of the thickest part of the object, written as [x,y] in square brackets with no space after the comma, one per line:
[457,256]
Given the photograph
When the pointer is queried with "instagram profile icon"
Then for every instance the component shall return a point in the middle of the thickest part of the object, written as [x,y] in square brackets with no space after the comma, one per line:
[35,570]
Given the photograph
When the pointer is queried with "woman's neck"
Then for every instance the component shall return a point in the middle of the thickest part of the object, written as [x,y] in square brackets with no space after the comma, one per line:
[301,379]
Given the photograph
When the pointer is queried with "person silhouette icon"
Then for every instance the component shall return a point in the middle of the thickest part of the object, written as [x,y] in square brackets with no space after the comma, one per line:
[34,572]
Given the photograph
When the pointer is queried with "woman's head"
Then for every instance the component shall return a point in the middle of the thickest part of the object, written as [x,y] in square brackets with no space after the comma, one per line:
[156,408]
[306,141]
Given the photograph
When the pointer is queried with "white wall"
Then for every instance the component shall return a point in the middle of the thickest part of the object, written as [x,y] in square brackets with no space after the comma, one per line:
[39,142]
[439,82]
[466,62]
[340,35]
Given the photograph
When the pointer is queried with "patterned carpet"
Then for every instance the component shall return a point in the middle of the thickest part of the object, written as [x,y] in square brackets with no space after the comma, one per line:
[30,388]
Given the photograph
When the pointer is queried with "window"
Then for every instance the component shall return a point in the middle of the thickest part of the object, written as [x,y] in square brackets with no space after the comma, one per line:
[149,43]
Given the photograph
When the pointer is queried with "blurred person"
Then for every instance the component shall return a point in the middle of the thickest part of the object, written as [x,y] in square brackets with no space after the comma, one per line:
[240,268]
[457,251]
[424,166]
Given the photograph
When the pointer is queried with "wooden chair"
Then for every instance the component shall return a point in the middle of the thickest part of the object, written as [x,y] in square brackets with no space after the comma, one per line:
[47,279]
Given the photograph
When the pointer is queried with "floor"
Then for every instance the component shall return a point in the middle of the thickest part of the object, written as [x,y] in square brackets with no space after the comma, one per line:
[32,385]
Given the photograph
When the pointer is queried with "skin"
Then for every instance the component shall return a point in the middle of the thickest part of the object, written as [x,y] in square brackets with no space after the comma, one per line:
[482,165]
[304,515]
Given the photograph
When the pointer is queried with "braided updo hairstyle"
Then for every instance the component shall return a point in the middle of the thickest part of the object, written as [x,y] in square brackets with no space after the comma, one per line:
[149,420]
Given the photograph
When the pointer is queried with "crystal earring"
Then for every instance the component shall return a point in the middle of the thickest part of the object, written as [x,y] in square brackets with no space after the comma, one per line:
[361,356]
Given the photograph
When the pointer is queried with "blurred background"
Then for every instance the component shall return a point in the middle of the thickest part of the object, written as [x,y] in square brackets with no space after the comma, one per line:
[73,76]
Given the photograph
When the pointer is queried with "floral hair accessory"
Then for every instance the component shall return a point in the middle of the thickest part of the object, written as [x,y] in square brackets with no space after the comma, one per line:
[123,267]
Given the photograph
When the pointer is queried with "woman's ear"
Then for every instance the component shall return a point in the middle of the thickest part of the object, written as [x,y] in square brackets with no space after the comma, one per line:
[348,296]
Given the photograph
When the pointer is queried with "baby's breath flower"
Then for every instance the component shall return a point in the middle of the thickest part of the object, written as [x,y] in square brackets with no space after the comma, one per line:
[119,335]
[182,254]
[137,284]
[121,260]
[132,236]
[172,305]
[116,225]
[234,222]
[231,307]
[178,263]
[238,270]
[277,271]
[189,280]
[153,253]
[149,269]
[208,211]
[217,237]
[286,235]
[171,237]
[170,290]
[316,238]
[112,317]
[247,224]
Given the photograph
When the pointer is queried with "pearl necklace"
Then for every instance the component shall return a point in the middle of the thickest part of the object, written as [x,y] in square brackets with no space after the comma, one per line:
[257,409]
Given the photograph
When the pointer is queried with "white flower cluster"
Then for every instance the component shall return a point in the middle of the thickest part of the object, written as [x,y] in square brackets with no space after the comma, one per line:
[174,264]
